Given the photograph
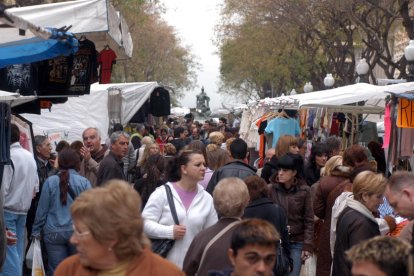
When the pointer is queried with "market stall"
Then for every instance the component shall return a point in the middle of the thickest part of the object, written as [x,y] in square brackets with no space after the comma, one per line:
[107,103]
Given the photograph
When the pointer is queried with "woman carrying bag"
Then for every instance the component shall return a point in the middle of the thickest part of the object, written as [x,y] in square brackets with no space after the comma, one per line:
[53,218]
[193,205]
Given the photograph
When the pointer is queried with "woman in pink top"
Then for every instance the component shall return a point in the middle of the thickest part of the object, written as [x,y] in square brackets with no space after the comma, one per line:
[194,206]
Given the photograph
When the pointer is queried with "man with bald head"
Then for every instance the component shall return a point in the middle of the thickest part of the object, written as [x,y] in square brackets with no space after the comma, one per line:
[92,154]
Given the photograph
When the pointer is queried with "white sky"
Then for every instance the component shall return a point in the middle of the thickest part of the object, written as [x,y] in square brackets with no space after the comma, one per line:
[194,21]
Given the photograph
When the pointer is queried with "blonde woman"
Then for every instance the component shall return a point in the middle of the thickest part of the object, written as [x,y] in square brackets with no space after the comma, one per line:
[356,222]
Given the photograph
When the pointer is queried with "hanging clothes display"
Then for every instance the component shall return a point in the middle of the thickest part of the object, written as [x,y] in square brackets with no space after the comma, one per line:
[54,76]
[5,117]
[160,102]
[84,68]
[106,59]
[282,126]
[22,78]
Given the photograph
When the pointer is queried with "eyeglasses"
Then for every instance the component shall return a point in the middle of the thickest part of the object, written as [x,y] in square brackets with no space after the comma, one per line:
[78,234]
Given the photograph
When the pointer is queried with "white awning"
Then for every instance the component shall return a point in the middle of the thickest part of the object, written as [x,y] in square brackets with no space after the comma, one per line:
[96,19]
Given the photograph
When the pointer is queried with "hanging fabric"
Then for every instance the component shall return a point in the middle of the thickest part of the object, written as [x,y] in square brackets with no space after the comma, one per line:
[5,118]
[106,59]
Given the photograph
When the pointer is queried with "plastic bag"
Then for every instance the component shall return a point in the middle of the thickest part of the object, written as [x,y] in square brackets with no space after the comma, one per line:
[37,268]
[29,255]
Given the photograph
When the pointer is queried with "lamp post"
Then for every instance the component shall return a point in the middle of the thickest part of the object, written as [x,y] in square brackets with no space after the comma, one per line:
[308,87]
[409,55]
[328,81]
[362,71]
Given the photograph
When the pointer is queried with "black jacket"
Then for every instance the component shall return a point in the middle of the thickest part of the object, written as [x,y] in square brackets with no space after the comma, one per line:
[352,227]
[234,168]
[264,208]
[110,168]
[269,169]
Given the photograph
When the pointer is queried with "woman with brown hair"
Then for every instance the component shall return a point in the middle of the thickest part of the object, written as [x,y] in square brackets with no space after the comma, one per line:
[108,235]
[260,206]
[194,206]
[153,177]
[53,218]
[285,144]
[291,192]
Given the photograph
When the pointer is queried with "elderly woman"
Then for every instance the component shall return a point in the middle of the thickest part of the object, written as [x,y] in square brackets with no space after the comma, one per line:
[108,235]
[334,174]
[216,137]
[230,198]
[53,217]
[356,222]
[194,206]
[262,207]
[291,192]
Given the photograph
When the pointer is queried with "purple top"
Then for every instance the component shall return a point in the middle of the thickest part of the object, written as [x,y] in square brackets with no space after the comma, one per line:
[207,177]
[186,197]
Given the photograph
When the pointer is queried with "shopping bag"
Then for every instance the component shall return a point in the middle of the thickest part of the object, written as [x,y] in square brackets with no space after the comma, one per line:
[29,255]
[37,268]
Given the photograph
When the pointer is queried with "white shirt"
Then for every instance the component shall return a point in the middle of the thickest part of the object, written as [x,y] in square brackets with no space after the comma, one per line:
[159,223]
[19,185]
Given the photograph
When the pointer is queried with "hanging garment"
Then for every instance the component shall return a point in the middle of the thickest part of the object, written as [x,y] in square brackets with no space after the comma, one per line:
[84,68]
[54,76]
[387,126]
[160,102]
[5,118]
[22,78]
[106,58]
[282,126]
[407,142]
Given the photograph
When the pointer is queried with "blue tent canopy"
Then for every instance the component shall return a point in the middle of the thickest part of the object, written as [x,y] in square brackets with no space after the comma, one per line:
[35,49]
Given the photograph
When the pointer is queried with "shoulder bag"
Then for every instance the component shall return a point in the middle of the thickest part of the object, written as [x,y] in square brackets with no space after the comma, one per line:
[214,239]
[283,264]
[163,246]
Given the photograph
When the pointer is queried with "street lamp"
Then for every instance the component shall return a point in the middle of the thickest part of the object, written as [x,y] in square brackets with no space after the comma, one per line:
[409,55]
[308,87]
[329,81]
[362,71]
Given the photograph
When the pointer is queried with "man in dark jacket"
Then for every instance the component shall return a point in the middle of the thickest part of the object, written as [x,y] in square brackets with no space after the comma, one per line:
[112,167]
[237,168]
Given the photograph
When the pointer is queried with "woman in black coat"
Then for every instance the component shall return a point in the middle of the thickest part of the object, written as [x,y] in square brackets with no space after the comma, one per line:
[262,207]
[356,222]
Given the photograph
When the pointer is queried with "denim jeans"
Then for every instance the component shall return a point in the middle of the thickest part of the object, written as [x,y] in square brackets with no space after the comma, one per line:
[58,248]
[14,253]
[295,253]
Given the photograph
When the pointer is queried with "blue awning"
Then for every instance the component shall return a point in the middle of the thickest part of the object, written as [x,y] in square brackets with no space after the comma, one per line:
[35,49]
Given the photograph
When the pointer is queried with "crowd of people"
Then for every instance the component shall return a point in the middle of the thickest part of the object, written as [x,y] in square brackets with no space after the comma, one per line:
[98,206]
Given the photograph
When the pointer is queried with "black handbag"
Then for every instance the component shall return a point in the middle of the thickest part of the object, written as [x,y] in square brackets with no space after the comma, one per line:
[283,264]
[163,246]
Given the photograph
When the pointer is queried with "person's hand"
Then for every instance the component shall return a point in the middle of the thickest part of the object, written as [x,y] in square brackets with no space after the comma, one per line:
[179,232]
[11,237]
[86,154]
[305,255]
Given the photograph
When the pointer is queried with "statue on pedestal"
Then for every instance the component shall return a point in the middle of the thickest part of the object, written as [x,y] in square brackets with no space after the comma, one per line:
[203,103]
